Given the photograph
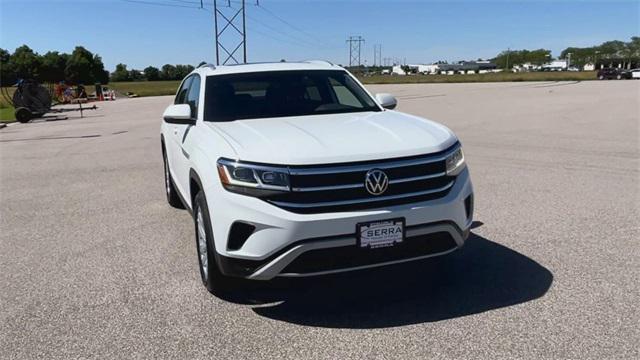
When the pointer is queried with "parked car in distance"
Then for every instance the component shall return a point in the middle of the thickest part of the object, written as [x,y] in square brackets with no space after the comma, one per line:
[573,69]
[295,169]
[613,73]
[635,73]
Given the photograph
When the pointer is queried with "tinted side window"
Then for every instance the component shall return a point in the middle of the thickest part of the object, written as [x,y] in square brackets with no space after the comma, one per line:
[194,95]
[182,93]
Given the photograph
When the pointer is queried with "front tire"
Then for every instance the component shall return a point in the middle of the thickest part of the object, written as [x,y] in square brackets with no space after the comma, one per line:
[215,282]
[169,187]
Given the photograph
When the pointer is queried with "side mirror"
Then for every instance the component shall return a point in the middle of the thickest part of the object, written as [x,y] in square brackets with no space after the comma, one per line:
[387,101]
[179,114]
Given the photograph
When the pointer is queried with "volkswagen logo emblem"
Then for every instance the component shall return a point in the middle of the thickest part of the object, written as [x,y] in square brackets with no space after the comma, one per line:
[376,182]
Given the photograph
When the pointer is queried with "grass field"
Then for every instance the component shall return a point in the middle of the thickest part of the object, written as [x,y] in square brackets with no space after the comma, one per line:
[146,88]
[6,114]
[157,88]
[6,110]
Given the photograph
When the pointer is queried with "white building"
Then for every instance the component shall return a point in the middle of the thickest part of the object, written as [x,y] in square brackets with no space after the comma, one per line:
[556,65]
[416,68]
[525,67]
[428,69]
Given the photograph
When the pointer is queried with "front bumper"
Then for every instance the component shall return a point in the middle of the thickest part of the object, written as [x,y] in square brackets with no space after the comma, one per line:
[280,237]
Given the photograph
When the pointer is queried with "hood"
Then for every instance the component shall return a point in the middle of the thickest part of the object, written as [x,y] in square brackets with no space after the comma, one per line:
[333,138]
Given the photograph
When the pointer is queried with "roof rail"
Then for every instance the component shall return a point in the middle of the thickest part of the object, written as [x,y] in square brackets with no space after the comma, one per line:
[209,65]
[319,62]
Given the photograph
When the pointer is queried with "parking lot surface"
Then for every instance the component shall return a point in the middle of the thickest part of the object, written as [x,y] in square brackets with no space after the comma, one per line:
[94,263]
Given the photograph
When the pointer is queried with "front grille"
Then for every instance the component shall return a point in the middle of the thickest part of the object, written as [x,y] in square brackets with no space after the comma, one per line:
[341,187]
[352,256]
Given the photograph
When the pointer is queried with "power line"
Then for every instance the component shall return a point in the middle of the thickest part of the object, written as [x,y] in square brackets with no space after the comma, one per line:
[292,39]
[283,33]
[194,2]
[290,25]
[271,36]
[230,21]
[279,18]
[160,4]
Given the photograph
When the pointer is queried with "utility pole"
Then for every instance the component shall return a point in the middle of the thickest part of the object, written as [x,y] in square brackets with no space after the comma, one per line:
[233,21]
[377,55]
[508,53]
[568,60]
[355,50]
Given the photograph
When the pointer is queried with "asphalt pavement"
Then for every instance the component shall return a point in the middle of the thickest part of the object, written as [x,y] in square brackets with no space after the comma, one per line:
[95,264]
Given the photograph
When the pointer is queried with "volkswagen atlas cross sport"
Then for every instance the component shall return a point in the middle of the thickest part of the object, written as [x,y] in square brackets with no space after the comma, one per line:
[295,169]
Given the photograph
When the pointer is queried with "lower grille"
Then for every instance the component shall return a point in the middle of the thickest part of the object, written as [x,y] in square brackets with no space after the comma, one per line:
[353,256]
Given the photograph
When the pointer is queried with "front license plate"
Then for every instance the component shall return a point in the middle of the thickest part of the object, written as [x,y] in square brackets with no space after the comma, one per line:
[379,234]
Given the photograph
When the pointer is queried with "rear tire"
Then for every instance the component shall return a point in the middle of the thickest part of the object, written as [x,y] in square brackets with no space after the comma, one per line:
[619,77]
[169,187]
[600,77]
[210,274]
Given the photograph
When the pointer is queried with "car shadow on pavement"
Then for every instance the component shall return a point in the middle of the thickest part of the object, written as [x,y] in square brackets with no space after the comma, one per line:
[481,276]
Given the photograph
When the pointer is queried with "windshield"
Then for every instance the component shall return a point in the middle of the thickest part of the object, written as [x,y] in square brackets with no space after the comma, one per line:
[283,93]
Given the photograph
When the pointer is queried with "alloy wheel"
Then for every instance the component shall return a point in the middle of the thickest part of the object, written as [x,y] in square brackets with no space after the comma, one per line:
[202,244]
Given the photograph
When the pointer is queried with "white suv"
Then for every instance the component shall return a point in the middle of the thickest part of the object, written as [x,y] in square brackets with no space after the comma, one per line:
[294,169]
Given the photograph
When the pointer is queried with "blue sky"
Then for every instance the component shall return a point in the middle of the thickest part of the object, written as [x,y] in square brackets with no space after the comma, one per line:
[419,31]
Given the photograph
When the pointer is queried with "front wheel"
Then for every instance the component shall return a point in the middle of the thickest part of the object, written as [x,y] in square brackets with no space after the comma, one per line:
[619,77]
[215,282]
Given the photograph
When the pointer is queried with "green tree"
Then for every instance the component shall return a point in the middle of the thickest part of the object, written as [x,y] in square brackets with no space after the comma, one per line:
[168,72]
[121,73]
[135,75]
[99,73]
[539,56]
[152,73]
[53,66]
[182,71]
[7,75]
[25,63]
[610,52]
[510,58]
[81,67]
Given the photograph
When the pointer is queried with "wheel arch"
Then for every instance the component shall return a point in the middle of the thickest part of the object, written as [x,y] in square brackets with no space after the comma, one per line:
[195,185]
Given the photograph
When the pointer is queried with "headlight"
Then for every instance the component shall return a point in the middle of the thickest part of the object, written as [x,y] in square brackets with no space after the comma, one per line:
[455,162]
[252,179]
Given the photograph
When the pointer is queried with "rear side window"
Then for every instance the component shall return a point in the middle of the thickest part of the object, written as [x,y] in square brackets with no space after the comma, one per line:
[182,93]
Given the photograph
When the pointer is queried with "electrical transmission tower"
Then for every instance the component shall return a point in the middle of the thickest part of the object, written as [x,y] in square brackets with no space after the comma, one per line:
[355,50]
[377,55]
[230,27]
